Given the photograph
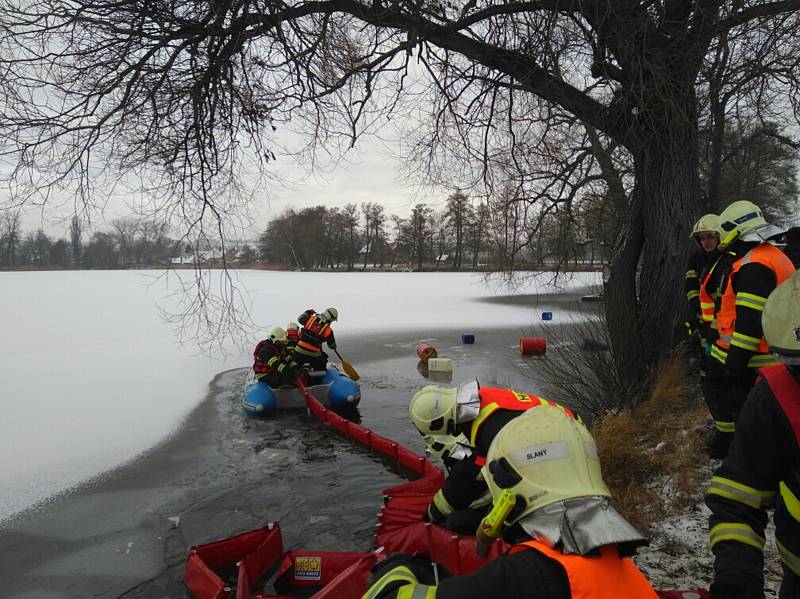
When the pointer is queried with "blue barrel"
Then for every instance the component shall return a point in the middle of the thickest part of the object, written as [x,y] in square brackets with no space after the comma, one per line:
[547,316]
[589,344]
[468,338]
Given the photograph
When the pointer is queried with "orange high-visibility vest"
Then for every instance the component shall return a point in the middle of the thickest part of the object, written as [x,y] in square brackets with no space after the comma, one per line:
[314,332]
[494,398]
[607,576]
[708,299]
[771,257]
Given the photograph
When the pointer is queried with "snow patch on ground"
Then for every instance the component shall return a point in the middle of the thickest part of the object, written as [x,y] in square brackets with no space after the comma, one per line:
[679,557]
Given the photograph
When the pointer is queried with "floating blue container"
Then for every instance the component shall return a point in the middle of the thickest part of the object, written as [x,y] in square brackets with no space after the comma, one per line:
[547,316]
[589,344]
[335,390]
[468,338]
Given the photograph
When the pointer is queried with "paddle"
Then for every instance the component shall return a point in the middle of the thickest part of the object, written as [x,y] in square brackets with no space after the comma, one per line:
[348,367]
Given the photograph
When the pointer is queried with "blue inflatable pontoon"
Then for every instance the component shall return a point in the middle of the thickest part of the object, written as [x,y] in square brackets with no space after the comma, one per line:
[335,390]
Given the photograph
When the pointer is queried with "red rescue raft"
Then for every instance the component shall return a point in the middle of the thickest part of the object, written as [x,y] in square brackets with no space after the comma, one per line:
[338,574]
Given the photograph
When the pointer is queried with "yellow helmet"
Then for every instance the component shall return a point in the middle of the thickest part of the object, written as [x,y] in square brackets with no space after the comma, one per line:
[331,314]
[433,412]
[541,457]
[743,220]
[781,320]
[276,334]
[708,223]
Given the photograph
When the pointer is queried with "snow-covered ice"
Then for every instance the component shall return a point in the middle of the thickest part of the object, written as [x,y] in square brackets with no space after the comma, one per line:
[91,376]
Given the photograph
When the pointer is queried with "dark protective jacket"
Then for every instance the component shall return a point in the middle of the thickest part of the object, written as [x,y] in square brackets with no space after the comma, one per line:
[759,268]
[314,332]
[464,486]
[536,573]
[761,471]
[271,364]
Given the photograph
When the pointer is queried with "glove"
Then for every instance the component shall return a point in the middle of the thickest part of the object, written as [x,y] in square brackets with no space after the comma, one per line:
[332,345]
[401,570]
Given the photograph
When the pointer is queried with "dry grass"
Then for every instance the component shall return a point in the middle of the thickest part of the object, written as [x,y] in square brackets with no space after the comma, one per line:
[651,454]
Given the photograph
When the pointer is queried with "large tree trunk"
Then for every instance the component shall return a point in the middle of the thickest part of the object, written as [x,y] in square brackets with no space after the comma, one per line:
[643,318]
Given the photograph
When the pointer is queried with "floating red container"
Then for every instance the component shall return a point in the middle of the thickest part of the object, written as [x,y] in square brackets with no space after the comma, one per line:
[426,351]
[532,346]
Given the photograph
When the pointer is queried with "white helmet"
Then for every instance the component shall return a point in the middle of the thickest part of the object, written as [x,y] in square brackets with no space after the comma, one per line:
[744,220]
[276,334]
[541,457]
[331,314]
[781,321]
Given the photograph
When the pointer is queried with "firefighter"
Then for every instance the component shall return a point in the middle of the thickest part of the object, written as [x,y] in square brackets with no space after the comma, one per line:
[292,336]
[706,235]
[316,330]
[762,468]
[272,364]
[458,426]
[758,268]
[553,507]
[711,290]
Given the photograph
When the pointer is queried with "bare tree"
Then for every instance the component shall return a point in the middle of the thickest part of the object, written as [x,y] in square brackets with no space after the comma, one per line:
[75,233]
[192,90]
[10,234]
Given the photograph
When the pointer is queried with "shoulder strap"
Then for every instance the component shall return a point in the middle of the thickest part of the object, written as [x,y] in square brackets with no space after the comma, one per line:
[787,391]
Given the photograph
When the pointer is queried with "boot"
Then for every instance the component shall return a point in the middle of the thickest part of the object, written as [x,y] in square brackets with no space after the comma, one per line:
[719,445]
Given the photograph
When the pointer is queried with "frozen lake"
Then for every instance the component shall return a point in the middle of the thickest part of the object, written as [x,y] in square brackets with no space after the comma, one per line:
[92,375]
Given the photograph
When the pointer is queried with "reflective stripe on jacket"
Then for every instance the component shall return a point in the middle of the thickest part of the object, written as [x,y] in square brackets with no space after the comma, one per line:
[709,291]
[782,267]
[314,333]
[607,576]
[494,398]
[267,358]
[787,391]
[761,472]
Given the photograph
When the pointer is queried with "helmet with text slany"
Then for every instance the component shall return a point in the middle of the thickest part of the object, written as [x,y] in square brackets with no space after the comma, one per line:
[543,456]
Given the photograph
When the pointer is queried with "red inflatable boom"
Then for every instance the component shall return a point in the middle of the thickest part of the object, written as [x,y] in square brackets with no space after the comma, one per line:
[338,574]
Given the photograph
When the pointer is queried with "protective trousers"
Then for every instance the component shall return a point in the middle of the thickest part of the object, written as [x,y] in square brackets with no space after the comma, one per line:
[724,396]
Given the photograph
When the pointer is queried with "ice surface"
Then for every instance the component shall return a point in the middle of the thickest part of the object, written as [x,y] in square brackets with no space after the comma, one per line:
[91,376]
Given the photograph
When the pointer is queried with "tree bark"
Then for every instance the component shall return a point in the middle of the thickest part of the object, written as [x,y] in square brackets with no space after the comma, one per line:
[642,318]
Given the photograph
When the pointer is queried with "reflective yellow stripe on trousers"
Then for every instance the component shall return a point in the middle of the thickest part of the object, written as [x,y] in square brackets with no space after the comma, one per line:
[736,491]
[790,560]
[736,531]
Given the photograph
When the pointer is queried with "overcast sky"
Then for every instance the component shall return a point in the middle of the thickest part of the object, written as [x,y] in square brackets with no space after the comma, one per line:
[370,175]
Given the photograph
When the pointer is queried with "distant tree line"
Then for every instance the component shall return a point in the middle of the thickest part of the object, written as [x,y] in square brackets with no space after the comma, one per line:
[128,242]
[461,235]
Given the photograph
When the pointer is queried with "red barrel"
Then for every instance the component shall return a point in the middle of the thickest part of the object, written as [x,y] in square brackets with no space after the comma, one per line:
[532,346]
[426,351]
